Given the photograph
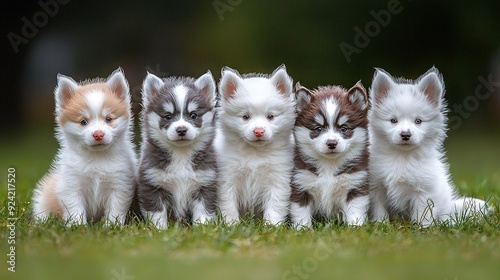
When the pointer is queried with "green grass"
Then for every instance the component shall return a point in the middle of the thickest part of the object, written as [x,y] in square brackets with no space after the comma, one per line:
[251,250]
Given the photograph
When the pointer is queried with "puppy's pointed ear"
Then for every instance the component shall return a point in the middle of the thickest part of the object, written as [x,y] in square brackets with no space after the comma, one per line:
[282,81]
[64,91]
[151,88]
[303,96]
[118,84]
[206,85]
[381,85]
[357,96]
[432,86]
[230,83]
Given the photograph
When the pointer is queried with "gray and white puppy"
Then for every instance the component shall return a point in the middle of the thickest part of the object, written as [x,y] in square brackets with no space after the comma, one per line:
[177,169]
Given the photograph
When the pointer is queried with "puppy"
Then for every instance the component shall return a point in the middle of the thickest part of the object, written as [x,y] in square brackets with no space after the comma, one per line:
[93,173]
[177,170]
[254,145]
[409,174]
[331,155]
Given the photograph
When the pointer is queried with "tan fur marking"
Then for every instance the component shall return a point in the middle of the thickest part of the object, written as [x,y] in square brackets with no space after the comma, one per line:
[50,200]
[117,107]
[72,112]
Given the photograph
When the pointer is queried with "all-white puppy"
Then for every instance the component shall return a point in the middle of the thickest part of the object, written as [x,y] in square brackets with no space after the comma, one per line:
[408,171]
[254,144]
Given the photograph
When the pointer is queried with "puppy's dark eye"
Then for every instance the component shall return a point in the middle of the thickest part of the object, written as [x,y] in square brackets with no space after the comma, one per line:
[418,121]
[344,128]
[318,129]
[246,117]
[168,116]
[394,120]
[270,117]
[84,122]
[194,116]
[108,119]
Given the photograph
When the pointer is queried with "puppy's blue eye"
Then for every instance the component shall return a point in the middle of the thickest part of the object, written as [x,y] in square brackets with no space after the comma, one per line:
[344,128]
[194,116]
[394,120]
[246,117]
[418,121]
[318,129]
[84,122]
[168,116]
[108,119]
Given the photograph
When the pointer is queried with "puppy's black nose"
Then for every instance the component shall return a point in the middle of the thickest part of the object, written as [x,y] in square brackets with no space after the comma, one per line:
[405,135]
[332,144]
[181,130]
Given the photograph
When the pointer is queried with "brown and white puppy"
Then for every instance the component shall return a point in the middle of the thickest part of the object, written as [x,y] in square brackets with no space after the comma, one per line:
[177,170]
[331,156]
[92,177]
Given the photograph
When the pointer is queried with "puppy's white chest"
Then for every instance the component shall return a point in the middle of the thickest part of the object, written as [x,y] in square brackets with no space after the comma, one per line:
[180,177]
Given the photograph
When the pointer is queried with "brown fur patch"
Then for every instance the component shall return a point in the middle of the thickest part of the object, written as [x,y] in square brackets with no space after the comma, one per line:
[119,107]
[358,164]
[301,164]
[73,108]
[356,117]
[50,199]
[361,190]
[303,198]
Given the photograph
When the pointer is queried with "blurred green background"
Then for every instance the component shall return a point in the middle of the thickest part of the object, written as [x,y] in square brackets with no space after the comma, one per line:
[87,39]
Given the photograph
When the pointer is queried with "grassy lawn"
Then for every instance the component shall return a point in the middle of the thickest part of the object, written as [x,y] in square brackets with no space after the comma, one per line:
[470,250]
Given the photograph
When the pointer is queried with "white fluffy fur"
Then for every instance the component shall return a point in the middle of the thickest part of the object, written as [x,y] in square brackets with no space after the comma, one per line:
[90,179]
[411,177]
[329,193]
[255,175]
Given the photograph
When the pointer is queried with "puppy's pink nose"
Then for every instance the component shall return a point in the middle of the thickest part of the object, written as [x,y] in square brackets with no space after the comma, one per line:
[98,135]
[258,132]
